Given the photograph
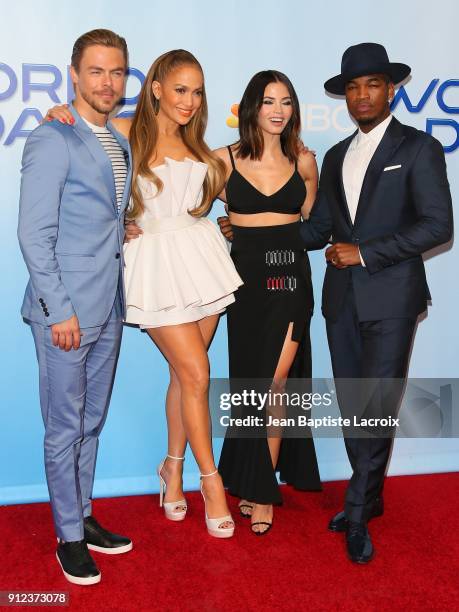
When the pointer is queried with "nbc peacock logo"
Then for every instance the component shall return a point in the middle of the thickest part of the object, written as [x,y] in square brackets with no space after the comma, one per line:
[232,120]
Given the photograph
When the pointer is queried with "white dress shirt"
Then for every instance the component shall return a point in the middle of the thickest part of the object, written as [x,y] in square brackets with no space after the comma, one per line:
[356,161]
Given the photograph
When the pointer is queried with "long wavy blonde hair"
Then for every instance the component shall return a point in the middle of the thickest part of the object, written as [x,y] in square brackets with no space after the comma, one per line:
[143,136]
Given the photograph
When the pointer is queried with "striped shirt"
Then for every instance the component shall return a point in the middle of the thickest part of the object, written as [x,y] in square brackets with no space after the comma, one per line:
[116,154]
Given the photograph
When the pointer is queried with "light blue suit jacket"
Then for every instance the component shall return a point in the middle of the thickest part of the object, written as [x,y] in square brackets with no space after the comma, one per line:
[70,231]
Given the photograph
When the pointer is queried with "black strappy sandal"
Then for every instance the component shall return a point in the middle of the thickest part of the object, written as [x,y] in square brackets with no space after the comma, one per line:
[245,514]
[261,533]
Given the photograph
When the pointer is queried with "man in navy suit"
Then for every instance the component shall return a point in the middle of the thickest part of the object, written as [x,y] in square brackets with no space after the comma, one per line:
[74,191]
[383,201]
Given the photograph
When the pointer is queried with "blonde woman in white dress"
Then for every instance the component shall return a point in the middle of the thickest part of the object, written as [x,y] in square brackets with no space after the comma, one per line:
[178,274]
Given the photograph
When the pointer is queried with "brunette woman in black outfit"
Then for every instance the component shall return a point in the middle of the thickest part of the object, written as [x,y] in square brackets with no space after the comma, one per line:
[269,187]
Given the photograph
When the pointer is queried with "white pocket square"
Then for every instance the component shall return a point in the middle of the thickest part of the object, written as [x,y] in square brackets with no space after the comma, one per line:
[392,167]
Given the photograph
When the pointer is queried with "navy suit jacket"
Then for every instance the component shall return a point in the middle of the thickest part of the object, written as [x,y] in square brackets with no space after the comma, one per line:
[402,212]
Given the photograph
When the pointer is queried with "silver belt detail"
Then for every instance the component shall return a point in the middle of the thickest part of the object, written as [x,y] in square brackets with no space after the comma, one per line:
[279,258]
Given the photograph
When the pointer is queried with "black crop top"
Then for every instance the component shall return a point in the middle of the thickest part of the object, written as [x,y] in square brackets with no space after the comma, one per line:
[243,198]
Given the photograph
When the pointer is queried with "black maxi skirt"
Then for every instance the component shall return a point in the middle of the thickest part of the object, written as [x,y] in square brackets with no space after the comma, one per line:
[277,291]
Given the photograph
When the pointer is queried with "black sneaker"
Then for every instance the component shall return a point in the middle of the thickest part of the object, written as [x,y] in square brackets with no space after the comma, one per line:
[101,540]
[76,563]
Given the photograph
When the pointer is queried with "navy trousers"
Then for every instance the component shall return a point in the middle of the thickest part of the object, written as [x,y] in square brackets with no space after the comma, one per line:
[368,352]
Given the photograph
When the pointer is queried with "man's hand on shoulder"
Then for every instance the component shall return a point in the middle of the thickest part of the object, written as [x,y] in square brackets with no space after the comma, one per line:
[66,334]
[303,149]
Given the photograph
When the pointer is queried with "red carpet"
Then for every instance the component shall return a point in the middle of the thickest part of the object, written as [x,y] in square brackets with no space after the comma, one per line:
[299,565]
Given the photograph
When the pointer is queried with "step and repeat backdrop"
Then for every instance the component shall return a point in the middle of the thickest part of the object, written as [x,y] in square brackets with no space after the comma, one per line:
[233,39]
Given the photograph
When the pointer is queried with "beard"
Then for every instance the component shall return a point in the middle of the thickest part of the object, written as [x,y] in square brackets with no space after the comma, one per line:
[367,120]
[374,118]
[98,105]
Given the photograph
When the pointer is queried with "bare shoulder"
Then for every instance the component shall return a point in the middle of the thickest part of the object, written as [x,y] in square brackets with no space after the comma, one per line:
[123,125]
[307,165]
[223,154]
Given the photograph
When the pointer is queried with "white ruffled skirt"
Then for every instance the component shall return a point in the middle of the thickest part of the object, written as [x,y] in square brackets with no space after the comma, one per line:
[179,270]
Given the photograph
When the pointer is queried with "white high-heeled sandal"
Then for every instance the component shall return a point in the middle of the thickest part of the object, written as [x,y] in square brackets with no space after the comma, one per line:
[170,508]
[214,525]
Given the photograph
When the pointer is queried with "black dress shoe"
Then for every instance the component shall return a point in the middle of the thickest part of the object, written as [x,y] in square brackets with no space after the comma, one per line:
[76,563]
[101,540]
[339,522]
[359,546]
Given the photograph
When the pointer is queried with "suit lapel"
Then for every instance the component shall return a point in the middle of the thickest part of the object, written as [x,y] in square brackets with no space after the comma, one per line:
[128,158]
[338,179]
[390,142]
[98,153]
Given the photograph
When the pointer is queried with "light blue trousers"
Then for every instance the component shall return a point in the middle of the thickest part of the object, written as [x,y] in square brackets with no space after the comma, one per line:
[75,389]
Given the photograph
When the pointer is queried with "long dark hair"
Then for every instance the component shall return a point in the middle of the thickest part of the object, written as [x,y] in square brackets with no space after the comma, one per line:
[251,137]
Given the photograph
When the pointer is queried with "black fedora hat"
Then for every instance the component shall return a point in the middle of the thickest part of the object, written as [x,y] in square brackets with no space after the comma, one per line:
[360,60]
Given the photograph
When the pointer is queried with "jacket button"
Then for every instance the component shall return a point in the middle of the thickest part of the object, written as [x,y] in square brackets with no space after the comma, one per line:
[46,314]
[117,256]
[41,300]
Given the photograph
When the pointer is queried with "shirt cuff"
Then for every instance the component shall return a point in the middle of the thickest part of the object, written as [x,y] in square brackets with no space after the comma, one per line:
[361,259]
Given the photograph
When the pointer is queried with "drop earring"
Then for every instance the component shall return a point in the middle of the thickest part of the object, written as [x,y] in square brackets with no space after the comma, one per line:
[156,105]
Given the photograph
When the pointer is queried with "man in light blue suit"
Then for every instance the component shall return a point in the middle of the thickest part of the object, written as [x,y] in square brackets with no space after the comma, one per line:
[74,191]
